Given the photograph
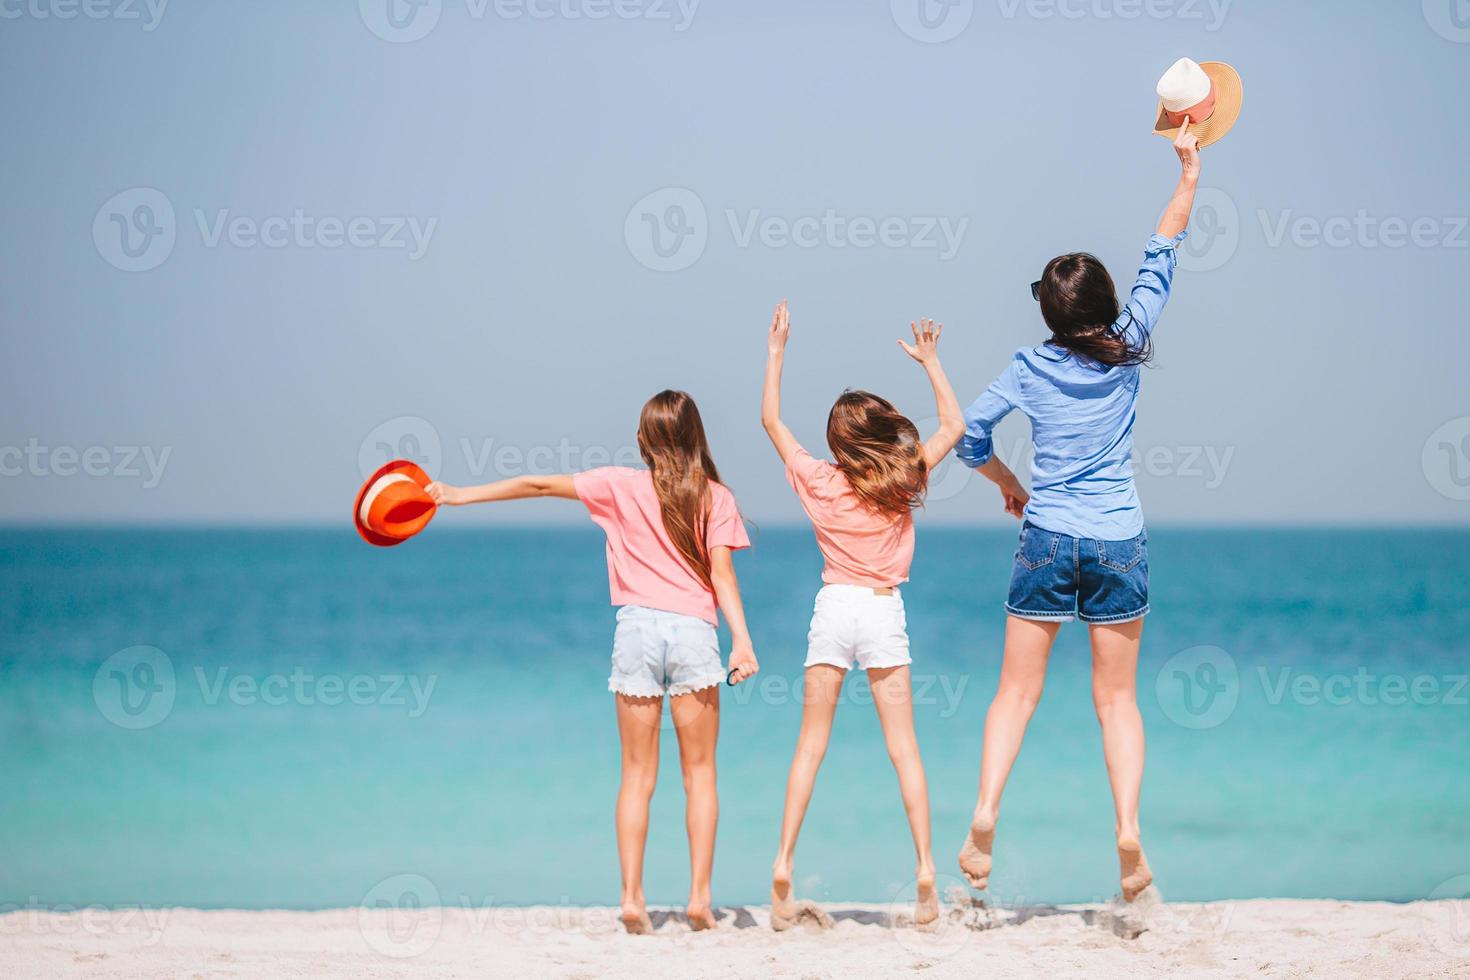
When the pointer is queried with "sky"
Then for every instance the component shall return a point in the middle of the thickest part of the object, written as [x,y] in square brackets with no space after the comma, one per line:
[253,250]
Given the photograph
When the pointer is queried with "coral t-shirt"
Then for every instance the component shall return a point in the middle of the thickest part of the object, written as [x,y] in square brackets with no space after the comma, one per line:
[643,566]
[860,547]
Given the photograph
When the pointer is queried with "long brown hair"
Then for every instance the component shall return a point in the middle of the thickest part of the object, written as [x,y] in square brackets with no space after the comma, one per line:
[672,443]
[879,452]
[1080,305]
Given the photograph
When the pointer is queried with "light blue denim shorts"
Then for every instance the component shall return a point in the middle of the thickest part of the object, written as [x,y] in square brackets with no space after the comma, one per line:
[657,653]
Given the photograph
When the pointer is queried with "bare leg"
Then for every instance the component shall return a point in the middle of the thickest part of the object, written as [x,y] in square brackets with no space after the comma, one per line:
[697,721]
[1022,675]
[638,720]
[820,690]
[893,697]
[1114,694]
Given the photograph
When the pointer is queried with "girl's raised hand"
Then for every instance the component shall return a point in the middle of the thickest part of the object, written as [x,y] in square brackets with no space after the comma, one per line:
[926,341]
[780,329]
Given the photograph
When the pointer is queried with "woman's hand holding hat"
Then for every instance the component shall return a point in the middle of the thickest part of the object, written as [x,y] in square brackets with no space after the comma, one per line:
[1186,144]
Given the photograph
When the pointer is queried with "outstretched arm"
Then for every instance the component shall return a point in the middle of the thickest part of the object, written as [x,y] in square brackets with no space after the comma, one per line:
[781,436]
[516,488]
[951,421]
[743,664]
[1176,213]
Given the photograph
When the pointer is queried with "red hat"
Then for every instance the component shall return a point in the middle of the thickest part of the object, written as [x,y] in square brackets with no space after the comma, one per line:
[392,506]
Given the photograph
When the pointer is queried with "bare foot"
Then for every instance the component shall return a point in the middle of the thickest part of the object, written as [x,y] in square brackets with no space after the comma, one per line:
[783,909]
[786,911]
[635,919]
[926,903]
[1135,874]
[975,855]
[701,917]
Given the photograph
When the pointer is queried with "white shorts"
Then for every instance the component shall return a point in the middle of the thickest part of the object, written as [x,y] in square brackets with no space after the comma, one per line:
[854,627]
[657,653]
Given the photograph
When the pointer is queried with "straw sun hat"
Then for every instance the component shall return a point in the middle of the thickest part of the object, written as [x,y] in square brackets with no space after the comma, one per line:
[1209,93]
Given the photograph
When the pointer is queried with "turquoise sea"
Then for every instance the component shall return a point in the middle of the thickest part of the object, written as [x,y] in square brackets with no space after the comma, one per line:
[288,718]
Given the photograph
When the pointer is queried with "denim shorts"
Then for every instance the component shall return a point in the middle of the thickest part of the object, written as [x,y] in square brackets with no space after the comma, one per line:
[1058,578]
[657,653]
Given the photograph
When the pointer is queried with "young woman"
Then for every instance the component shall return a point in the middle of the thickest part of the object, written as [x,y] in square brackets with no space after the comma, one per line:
[1083,551]
[670,532]
[861,508]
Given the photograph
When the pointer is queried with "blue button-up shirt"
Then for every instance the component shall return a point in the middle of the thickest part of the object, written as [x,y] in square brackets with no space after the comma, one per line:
[1081,416]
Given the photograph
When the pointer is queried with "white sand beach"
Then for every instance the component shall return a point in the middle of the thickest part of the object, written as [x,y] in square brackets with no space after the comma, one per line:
[1263,938]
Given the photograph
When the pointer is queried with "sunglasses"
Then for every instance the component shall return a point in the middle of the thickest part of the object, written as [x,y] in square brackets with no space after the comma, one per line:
[1036,290]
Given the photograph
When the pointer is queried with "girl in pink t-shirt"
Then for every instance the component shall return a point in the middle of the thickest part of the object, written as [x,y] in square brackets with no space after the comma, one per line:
[861,508]
[670,532]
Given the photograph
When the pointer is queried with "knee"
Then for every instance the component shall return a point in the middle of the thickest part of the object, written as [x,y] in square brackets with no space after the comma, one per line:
[1107,700]
[811,751]
[640,776]
[903,751]
[1023,696]
[698,770]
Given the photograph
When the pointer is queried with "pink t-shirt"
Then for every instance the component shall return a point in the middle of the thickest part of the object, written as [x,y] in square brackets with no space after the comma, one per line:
[860,547]
[643,566]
